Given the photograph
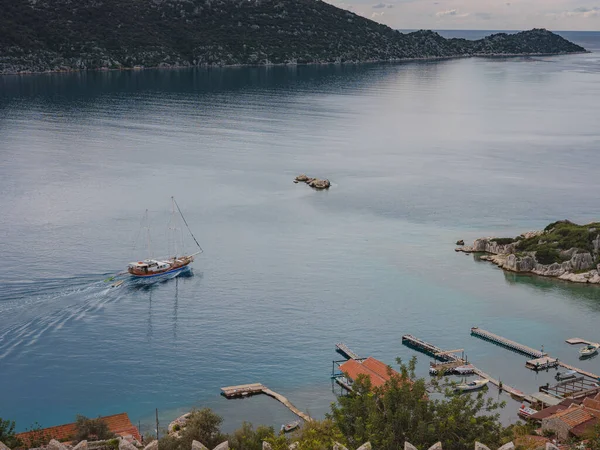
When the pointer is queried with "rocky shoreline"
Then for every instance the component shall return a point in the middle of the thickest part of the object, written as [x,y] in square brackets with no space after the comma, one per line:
[576,264]
[68,67]
[52,35]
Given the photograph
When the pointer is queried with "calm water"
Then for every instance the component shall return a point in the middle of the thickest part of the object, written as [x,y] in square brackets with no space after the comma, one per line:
[420,155]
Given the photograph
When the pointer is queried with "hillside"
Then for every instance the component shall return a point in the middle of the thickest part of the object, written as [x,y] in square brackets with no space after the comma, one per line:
[43,35]
[563,250]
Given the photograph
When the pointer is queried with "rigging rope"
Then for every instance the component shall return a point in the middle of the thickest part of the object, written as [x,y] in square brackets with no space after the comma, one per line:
[186,224]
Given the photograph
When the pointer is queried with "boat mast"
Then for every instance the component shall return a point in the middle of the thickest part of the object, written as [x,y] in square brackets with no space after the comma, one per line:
[148,241]
[187,226]
[173,232]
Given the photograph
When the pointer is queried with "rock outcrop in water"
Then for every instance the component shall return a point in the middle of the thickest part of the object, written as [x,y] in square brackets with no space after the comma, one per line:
[562,250]
[315,183]
[62,35]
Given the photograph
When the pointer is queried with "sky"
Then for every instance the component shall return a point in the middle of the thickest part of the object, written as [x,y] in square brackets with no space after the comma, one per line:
[555,15]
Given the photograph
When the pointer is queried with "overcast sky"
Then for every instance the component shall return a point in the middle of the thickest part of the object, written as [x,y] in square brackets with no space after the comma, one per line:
[480,14]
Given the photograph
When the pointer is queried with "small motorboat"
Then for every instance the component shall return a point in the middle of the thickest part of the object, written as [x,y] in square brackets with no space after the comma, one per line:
[472,386]
[291,426]
[525,411]
[588,350]
[560,376]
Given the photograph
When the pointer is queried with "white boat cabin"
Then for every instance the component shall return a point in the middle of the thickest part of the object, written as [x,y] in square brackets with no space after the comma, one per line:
[149,265]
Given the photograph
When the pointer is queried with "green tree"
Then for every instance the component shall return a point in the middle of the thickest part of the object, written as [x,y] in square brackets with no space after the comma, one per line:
[247,438]
[91,429]
[401,410]
[202,426]
[7,433]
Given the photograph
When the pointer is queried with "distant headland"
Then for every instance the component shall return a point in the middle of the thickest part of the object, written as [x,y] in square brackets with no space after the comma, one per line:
[58,35]
[562,250]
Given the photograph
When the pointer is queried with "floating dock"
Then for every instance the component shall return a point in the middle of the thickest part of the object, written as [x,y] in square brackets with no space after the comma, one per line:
[345,350]
[512,345]
[541,363]
[429,349]
[244,390]
[576,341]
[540,356]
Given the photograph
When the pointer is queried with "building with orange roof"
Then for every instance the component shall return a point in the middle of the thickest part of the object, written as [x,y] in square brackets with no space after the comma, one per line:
[377,371]
[119,424]
[572,421]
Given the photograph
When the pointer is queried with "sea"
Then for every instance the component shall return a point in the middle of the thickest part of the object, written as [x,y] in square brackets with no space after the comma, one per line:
[419,154]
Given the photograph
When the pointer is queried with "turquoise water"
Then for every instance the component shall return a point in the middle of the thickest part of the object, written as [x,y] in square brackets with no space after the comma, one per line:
[419,154]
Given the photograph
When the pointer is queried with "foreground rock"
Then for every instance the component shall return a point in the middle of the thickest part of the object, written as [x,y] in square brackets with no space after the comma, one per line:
[55,35]
[563,250]
[315,183]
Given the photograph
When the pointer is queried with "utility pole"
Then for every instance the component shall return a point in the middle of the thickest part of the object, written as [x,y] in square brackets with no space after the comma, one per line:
[157,424]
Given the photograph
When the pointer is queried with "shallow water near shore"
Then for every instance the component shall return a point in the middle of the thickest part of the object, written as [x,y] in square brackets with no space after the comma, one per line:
[419,155]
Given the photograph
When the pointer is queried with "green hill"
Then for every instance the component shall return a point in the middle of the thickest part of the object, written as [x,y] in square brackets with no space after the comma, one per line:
[42,35]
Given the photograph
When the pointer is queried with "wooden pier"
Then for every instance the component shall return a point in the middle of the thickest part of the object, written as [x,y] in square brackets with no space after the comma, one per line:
[429,349]
[506,388]
[244,390]
[576,341]
[496,339]
[578,370]
[345,350]
[452,362]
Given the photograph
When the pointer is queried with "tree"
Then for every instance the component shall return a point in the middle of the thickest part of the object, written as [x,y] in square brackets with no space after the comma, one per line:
[247,438]
[202,426]
[91,429]
[7,433]
[401,410]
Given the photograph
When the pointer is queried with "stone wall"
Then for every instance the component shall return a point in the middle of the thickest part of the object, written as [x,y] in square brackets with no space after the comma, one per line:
[126,445]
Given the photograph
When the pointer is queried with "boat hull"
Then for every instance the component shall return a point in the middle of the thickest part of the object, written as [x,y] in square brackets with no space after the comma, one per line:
[150,279]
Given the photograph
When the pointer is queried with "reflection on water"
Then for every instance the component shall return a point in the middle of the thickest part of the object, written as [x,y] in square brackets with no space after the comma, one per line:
[419,154]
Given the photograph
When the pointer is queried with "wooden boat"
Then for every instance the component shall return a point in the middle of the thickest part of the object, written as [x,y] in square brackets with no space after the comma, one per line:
[291,426]
[169,266]
[565,375]
[525,411]
[472,386]
[588,350]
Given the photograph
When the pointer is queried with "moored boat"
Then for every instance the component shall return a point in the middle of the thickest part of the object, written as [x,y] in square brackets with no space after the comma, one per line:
[525,411]
[152,268]
[567,375]
[588,350]
[291,426]
[472,386]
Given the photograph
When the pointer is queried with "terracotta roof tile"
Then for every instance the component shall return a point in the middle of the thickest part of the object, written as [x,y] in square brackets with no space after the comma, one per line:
[581,429]
[353,369]
[591,404]
[380,368]
[119,424]
[377,371]
[551,410]
[573,416]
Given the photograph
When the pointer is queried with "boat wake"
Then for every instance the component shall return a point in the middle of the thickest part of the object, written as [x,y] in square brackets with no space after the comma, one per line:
[39,307]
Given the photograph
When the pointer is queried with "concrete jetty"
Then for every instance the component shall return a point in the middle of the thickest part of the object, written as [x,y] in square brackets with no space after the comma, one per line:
[245,390]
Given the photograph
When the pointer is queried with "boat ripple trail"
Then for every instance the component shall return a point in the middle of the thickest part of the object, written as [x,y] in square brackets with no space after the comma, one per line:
[54,303]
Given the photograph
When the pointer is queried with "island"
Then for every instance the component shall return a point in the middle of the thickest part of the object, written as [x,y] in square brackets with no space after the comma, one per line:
[562,250]
[315,183]
[60,35]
